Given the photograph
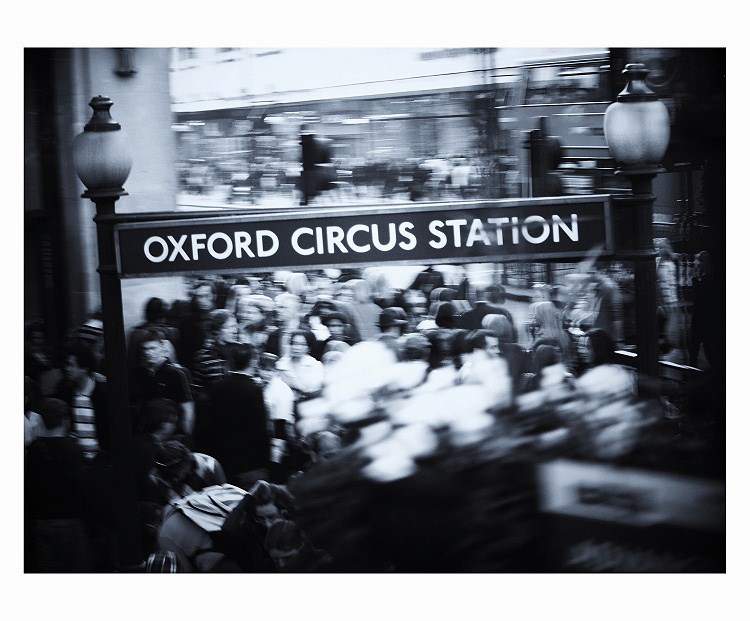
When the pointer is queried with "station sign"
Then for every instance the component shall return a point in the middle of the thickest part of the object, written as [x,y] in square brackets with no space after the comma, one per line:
[561,228]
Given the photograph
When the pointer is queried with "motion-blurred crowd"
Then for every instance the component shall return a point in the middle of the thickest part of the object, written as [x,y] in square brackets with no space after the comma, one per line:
[415,179]
[222,386]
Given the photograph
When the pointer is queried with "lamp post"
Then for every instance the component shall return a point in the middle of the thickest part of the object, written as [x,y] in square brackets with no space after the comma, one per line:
[101,158]
[636,128]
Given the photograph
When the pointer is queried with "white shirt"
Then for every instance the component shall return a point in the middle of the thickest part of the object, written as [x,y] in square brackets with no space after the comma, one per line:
[305,375]
[279,400]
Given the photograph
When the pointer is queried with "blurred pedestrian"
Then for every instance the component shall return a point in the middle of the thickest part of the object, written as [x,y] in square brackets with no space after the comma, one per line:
[239,421]
[158,378]
[675,326]
[192,326]
[32,421]
[291,551]
[490,303]
[155,315]
[706,322]
[299,370]
[288,307]
[85,392]
[39,363]
[180,472]
[339,330]
[393,323]
[366,311]
[210,362]
[54,496]
[602,376]
[513,353]
[546,324]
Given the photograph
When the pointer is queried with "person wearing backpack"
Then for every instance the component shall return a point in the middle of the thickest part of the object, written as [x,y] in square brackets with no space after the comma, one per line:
[222,529]
[189,525]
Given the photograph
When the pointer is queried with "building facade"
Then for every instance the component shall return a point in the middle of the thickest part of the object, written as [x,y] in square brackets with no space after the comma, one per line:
[61,285]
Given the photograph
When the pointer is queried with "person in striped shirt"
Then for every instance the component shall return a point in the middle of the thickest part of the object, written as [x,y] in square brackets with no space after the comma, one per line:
[83,389]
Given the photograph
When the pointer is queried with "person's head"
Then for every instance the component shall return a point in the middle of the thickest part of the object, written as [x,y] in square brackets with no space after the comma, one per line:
[336,324]
[153,352]
[268,503]
[91,335]
[417,347]
[203,295]
[393,319]
[487,341]
[330,357]
[267,366]
[597,347]
[287,306]
[334,346]
[155,310]
[241,357]
[543,293]
[344,293]
[222,326]
[441,347]
[442,294]
[301,343]
[361,291]
[160,417]
[495,294]
[500,326]
[55,414]
[321,308]
[174,461]
[284,543]
[250,313]
[444,314]
[417,302]
[297,284]
[78,363]
[545,356]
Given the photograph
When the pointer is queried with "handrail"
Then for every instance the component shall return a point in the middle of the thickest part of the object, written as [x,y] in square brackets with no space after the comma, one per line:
[632,356]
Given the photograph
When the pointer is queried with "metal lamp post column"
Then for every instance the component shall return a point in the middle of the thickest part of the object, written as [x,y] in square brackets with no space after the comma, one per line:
[636,128]
[635,242]
[103,164]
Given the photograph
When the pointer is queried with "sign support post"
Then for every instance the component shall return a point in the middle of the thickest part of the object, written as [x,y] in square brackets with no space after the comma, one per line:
[129,557]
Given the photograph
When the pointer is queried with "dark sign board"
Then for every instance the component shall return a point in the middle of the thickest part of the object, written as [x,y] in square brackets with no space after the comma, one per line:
[600,517]
[563,228]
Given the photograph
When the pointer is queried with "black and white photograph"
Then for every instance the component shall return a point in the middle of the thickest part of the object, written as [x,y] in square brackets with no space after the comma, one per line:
[374,310]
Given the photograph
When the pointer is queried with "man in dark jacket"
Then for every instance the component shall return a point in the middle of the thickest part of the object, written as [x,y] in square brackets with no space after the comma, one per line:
[491,304]
[239,421]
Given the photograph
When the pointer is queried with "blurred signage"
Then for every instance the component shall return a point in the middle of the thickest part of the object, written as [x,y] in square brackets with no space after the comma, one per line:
[513,230]
[616,494]
[603,517]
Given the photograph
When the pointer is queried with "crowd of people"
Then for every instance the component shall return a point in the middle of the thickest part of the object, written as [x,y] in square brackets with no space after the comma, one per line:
[217,383]
[413,178]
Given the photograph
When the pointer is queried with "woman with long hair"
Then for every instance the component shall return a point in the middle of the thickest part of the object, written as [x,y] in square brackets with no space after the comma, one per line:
[547,325]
